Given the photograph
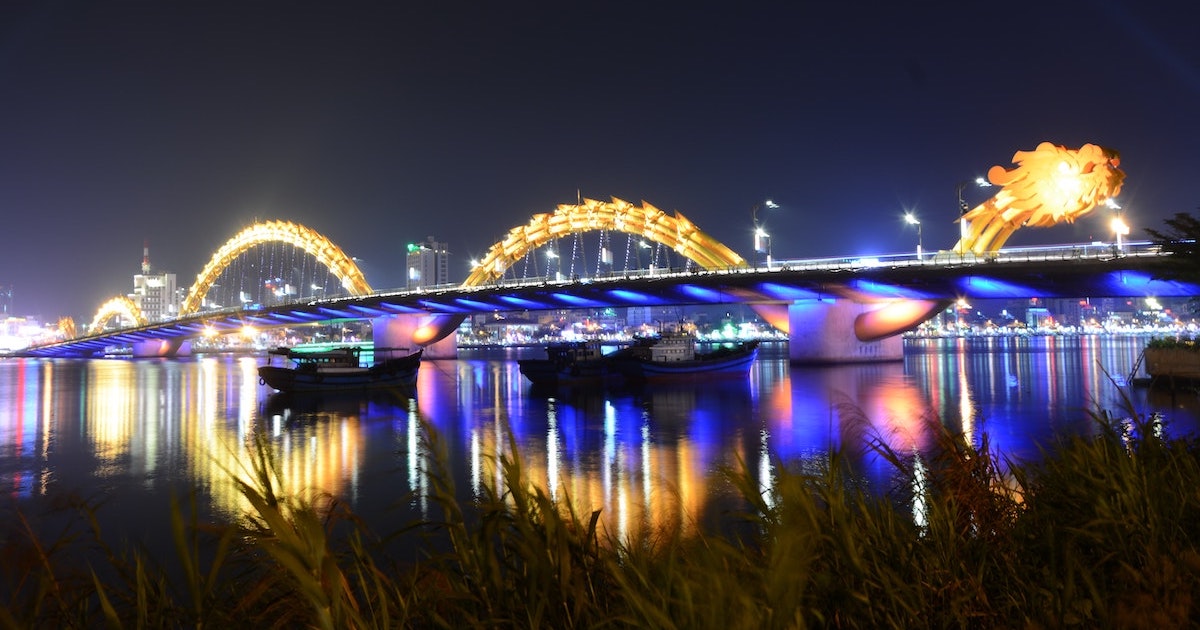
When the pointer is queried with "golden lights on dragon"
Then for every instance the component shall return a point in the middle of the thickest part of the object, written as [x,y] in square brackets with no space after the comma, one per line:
[676,232]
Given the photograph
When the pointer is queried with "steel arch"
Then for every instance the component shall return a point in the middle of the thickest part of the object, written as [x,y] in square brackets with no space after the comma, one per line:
[312,242]
[120,305]
[676,232]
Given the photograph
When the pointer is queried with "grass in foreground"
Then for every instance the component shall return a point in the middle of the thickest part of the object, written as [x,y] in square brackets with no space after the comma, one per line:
[1104,531]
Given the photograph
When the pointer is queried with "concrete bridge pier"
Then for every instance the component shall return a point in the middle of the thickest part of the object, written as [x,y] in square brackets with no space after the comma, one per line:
[821,331]
[435,333]
[161,348]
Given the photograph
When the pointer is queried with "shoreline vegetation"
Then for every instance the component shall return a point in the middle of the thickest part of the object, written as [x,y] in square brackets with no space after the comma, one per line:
[1101,531]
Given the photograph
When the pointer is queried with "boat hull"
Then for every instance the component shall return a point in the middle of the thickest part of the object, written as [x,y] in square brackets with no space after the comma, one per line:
[392,373]
[730,365]
[549,373]
[571,363]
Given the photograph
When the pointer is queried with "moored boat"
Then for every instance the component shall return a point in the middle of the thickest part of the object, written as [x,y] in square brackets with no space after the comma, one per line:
[674,358]
[570,363]
[338,370]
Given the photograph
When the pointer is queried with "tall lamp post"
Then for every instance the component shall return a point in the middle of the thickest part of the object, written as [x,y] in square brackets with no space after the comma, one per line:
[762,240]
[962,204]
[1119,227]
[911,219]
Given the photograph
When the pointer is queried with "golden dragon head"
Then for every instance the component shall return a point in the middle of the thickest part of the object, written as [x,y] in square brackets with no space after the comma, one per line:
[1051,184]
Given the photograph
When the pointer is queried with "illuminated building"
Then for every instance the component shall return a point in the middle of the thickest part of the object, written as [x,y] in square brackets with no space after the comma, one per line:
[428,264]
[155,294]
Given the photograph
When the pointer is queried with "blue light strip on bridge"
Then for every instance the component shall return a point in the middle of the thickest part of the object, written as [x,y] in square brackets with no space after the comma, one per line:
[878,289]
[336,313]
[704,294]
[442,308]
[786,292]
[397,308]
[633,297]
[576,301]
[286,317]
[368,311]
[1124,282]
[305,316]
[524,303]
[472,304]
[984,287]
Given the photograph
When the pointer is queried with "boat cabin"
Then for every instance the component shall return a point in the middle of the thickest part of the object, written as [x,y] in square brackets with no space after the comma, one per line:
[673,347]
[323,360]
[574,352]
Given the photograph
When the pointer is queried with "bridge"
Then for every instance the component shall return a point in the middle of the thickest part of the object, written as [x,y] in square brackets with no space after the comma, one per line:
[790,288]
[832,309]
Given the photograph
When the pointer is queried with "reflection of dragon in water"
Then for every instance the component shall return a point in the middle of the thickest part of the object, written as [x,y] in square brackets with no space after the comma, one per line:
[1051,184]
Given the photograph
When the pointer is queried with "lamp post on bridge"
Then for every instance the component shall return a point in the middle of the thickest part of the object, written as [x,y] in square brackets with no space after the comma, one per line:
[762,240]
[963,208]
[1119,227]
[912,219]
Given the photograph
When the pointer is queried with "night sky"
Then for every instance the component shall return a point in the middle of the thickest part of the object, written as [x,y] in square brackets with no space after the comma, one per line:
[378,124]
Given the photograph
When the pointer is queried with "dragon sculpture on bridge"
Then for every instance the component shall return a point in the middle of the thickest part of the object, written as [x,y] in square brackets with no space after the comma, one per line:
[1051,184]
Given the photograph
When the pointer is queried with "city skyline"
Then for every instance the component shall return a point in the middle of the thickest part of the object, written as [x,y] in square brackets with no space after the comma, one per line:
[378,126]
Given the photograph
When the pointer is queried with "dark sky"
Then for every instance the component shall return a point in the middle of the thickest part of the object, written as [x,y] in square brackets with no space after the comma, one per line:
[378,124]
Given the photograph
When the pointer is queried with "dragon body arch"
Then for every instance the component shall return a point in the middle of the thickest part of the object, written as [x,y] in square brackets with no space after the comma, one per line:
[326,253]
[676,232]
[119,306]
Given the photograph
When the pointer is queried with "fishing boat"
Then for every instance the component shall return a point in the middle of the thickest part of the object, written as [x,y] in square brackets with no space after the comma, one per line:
[339,369]
[570,363]
[673,357]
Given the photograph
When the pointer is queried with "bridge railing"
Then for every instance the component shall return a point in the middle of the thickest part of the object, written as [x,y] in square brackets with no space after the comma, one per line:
[1040,253]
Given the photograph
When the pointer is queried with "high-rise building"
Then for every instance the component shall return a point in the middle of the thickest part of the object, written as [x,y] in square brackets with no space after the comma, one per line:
[428,264]
[6,300]
[154,293]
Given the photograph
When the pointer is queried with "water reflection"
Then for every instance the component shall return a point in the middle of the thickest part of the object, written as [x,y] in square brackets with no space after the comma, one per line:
[1024,391]
[135,431]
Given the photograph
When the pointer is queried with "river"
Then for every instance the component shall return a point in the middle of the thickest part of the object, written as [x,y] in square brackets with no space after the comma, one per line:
[129,435]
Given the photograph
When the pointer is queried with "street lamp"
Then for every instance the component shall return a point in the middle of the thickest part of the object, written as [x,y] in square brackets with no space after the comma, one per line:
[962,205]
[911,219]
[1118,225]
[762,240]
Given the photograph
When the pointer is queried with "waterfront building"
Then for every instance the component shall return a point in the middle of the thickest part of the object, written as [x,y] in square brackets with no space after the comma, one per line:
[1066,311]
[1037,317]
[428,264]
[155,293]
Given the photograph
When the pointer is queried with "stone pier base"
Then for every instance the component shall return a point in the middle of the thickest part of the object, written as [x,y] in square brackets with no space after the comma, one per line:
[403,332]
[822,332]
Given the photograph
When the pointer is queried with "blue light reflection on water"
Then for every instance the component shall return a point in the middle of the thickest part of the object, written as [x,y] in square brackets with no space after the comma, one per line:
[1024,391]
[134,432]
